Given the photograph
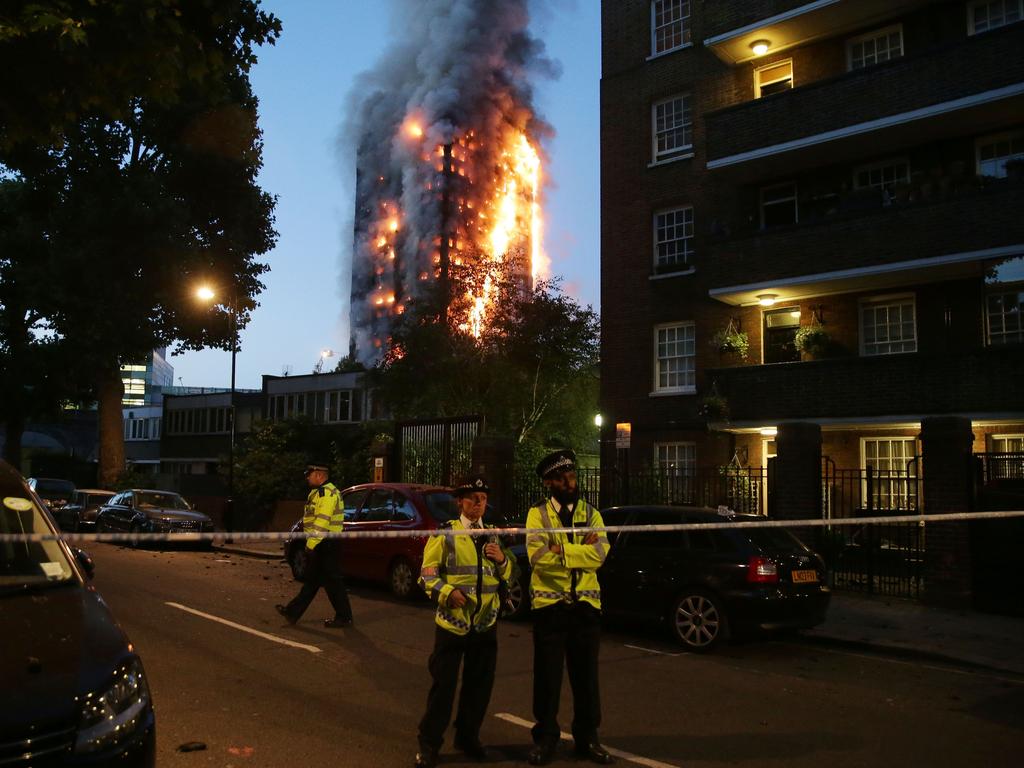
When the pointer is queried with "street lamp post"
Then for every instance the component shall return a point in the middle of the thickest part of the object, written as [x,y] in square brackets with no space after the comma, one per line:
[208,294]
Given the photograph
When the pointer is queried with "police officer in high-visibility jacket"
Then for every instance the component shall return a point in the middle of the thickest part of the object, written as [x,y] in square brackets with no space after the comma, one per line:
[566,600]
[464,574]
[323,513]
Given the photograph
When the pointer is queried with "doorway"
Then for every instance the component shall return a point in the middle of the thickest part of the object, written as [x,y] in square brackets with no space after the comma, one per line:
[780,327]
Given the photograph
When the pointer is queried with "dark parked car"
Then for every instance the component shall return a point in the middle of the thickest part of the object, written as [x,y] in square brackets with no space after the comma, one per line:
[148,511]
[74,690]
[396,562]
[704,583]
[80,514]
[55,493]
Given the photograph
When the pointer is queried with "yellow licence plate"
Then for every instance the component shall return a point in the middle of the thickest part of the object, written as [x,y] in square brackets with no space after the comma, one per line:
[803,577]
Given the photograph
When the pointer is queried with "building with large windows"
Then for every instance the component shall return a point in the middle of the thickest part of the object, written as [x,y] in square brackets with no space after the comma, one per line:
[811,212]
[143,382]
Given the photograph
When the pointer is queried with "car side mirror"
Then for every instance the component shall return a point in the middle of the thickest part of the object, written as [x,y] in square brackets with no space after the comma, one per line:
[86,562]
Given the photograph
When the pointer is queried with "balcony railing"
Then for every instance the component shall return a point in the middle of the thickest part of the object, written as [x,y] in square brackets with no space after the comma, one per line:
[986,380]
[979,64]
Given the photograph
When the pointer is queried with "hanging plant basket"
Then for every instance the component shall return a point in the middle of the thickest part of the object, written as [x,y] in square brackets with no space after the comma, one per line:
[713,406]
[812,340]
[731,341]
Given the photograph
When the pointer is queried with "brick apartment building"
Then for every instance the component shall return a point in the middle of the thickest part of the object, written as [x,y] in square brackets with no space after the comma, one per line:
[852,170]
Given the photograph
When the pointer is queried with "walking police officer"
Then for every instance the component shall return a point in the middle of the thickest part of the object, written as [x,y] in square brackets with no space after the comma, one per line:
[464,574]
[323,513]
[566,600]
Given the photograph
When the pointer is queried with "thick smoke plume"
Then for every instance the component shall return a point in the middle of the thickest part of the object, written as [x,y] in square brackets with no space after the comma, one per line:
[458,76]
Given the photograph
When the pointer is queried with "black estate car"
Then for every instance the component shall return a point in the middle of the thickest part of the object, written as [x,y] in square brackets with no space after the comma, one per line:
[704,583]
[149,511]
[74,691]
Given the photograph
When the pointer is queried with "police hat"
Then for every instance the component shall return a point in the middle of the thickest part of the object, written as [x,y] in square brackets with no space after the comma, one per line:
[472,484]
[316,467]
[557,462]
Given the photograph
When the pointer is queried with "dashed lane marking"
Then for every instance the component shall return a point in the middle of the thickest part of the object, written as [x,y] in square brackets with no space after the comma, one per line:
[568,737]
[243,628]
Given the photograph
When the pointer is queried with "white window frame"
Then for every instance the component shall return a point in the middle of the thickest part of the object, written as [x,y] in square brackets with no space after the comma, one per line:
[758,84]
[685,149]
[869,167]
[889,487]
[686,241]
[874,35]
[678,474]
[1015,336]
[995,138]
[795,198]
[875,302]
[1011,436]
[690,388]
[1007,4]
[686,13]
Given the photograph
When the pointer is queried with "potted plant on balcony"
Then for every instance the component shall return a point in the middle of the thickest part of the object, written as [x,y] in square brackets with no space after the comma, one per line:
[812,341]
[713,406]
[731,341]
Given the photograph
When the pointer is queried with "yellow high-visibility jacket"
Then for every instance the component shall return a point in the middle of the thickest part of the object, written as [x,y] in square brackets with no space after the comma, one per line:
[323,512]
[551,579]
[454,562]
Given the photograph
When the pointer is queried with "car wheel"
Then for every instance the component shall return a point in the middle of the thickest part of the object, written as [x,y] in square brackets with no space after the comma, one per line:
[518,596]
[698,620]
[401,578]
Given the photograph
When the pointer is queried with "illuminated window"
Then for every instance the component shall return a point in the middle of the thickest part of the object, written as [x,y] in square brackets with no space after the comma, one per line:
[672,127]
[673,237]
[675,358]
[1004,318]
[894,471]
[779,205]
[888,326]
[984,15]
[670,25]
[773,78]
[994,153]
[875,47]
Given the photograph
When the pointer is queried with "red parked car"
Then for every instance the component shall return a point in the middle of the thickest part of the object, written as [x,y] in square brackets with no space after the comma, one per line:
[394,562]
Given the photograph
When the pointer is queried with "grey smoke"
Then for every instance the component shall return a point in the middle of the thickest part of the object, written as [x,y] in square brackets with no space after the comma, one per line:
[463,65]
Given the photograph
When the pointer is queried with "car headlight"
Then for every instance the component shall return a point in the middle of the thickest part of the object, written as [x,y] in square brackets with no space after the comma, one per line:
[112,715]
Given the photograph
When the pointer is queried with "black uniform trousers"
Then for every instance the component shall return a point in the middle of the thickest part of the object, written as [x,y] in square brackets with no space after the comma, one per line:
[324,571]
[569,633]
[478,653]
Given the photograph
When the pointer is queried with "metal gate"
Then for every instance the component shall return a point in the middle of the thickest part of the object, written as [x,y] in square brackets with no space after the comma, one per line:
[436,451]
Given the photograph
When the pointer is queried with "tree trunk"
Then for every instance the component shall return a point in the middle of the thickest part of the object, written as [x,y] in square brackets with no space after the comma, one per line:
[110,391]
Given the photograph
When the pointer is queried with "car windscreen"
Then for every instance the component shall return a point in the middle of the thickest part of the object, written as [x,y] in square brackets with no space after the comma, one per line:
[153,500]
[28,563]
[441,505]
[97,499]
[55,489]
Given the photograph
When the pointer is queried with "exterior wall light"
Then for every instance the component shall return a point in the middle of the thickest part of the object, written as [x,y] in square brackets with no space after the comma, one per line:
[759,47]
[767,299]
[769,431]
[598,420]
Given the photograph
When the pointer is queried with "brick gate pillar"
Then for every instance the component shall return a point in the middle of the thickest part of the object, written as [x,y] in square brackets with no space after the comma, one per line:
[494,457]
[946,449]
[796,474]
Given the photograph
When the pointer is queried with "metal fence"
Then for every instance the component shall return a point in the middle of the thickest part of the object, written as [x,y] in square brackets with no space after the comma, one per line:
[999,468]
[882,558]
[435,452]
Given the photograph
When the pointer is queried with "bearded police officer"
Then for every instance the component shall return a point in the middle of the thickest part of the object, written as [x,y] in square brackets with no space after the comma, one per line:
[463,573]
[323,513]
[566,599]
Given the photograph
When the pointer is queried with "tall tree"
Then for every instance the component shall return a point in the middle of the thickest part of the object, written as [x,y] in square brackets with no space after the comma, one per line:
[152,178]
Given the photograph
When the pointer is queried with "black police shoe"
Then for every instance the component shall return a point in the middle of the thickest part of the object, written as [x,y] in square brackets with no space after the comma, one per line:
[542,754]
[337,623]
[471,748]
[426,758]
[284,612]
[594,752]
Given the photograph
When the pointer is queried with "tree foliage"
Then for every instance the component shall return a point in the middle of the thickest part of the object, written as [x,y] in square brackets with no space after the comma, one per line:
[531,372]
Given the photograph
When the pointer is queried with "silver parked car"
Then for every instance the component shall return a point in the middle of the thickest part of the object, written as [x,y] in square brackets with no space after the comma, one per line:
[141,510]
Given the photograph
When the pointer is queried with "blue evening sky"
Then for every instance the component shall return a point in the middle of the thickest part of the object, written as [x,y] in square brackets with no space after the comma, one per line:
[303,84]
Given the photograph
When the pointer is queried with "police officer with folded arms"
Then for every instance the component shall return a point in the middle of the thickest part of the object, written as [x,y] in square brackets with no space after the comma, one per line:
[323,513]
[463,573]
[566,600]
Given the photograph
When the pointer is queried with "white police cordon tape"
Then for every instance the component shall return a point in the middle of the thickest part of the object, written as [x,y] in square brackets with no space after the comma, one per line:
[419,533]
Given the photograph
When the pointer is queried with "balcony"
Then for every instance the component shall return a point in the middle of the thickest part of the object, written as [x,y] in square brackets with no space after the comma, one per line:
[983,381]
[943,235]
[974,87]
[732,27]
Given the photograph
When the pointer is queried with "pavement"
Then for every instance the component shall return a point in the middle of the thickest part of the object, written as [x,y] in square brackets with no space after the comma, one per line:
[875,624]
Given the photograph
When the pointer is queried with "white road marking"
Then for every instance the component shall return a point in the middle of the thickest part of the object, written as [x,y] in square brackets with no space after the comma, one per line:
[243,628]
[568,737]
[651,650]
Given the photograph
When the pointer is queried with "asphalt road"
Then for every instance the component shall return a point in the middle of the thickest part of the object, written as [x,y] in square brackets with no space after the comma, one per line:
[309,696]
